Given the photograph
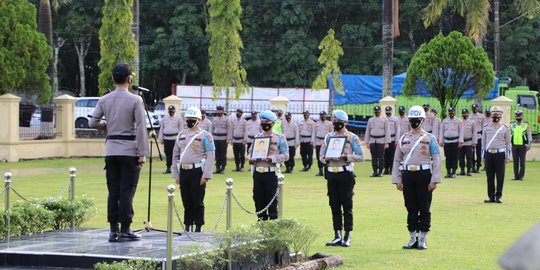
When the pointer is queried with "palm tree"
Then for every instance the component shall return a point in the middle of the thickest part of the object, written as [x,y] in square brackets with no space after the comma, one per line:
[476,12]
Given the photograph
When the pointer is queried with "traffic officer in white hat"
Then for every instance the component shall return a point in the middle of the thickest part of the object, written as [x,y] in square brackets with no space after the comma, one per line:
[416,172]
[193,156]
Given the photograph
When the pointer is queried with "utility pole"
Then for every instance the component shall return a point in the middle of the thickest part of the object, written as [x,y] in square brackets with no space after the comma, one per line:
[388,46]
[496,27]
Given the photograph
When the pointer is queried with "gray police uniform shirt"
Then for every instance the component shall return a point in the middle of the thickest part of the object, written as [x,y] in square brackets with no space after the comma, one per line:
[307,131]
[170,127]
[202,148]
[125,115]
[206,125]
[436,127]
[427,152]
[468,134]
[353,149]
[503,140]
[253,127]
[291,132]
[322,128]
[377,130]
[221,128]
[479,121]
[393,127]
[450,130]
[278,152]
[427,125]
[404,126]
[237,130]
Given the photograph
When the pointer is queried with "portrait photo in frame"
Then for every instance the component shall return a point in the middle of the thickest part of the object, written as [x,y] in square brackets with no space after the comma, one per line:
[335,147]
[260,147]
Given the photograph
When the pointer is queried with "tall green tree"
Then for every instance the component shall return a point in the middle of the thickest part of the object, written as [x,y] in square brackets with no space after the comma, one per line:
[24,53]
[117,42]
[331,51]
[448,66]
[225,64]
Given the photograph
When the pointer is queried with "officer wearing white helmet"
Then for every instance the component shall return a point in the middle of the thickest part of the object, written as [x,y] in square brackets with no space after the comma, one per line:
[193,156]
[340,175]
[496,149]
[416,172]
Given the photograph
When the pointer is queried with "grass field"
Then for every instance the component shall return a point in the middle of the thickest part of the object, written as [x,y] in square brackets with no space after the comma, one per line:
[466,233]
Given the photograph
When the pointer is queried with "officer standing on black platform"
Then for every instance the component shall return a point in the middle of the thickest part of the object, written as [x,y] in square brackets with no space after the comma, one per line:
[171,125]
[221,128]
[322,128]
[479,119]
[290,130]
[264,170]
[306,128]
[393,126]
[341,179]
[496,147]
[377,139]
[521,143]
[467,141]
[125,150]
[450,130]
[416,172]
[193,157]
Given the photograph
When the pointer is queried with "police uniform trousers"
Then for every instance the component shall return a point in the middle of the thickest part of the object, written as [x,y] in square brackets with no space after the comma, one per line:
[377,156]
[306,152]
[221,153]
[192,193]
[451,155]
[264,188]
[417,199]
[518,155]
[340,196]
[168,145]
[122,174]
[389,156]
[317,152]
[495,167]
[248,146]
[466,152]
[289,164]
[478,153]
[239,150]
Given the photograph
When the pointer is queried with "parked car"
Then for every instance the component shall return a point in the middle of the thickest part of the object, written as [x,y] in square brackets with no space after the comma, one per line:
[85,106]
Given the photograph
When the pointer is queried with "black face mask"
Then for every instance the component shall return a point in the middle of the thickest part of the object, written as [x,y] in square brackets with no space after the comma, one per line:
[323,118]
[338,126]
[401,113]
[266,126]
[415,122]
[519,119]
[191,123]
[288,119]
[238,115]
[388,114]
[306,116]
[220,114]
[377,113]
[253,117]
[171,113]
[465,116]
[496,119]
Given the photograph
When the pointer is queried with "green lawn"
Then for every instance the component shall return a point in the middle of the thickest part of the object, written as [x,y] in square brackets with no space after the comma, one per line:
[466,233]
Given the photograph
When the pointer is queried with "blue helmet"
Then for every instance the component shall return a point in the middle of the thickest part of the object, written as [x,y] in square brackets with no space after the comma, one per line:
[268,115]
[340,115]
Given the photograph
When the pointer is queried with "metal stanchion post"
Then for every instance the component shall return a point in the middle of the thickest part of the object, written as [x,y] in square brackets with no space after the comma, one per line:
[72,172]
[281,181]
[7,183]
[170,189]
[229,183]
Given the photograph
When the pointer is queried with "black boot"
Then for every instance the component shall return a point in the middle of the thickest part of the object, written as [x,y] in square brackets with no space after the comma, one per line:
[222,169]
[126,234]
[167,171]
[189,228]
[453,175]
[413,241]
[462,172]
[346,240]
[198,228]
[448,174]
[386,171]
[113,235]
[217,169]
[469,172]
[337,239]
[320,172]
[237,168]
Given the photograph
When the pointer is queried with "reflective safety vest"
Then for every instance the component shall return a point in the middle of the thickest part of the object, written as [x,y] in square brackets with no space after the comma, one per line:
[518,133]
[277,128]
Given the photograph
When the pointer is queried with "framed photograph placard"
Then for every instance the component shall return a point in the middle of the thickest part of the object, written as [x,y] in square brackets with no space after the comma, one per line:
[335,147]
[260,147]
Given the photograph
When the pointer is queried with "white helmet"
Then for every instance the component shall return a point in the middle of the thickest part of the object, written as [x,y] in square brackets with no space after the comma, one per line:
[416,112]
[193,112]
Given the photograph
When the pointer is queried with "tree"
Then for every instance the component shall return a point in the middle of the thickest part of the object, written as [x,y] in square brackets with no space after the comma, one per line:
[225,45]
[448,66]
[117,43]
[331,51]
[24,53]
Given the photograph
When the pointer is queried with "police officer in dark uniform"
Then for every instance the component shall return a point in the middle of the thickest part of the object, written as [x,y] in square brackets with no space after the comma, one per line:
[416,172]
[171,125]
[521,143]
[341,179]
[125,150]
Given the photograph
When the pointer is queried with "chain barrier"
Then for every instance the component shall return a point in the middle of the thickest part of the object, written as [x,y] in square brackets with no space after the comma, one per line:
[3,191]
[53,199]
[261,211]
[220,215]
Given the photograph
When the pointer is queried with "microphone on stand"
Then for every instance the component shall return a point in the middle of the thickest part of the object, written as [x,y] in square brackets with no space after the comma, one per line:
[140,89]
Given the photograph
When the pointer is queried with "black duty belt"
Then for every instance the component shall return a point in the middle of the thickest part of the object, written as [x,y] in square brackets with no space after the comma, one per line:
[429,131]
[170,134]
[306,136]
[220,134]
[451,138]
[290,139]
[251,137]
[322,138]
[238,138]
[467,139]
[393,135]
[479,132]
[121,137]
[376,137]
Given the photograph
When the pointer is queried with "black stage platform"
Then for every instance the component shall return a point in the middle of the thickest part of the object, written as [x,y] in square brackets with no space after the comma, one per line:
[82,248]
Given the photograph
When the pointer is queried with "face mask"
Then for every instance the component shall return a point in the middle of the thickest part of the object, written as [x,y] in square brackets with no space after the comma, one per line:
[288,119]
[323,118]
[388,114]
[238,115]
[519,119]
[338,126]
[171,113]
[266,126]
[495,119]
[401,113]
[377,113]
[306,116]
[191,123]
[253,117]
[465,116]
[415,122]
[220,114]
[451,115]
